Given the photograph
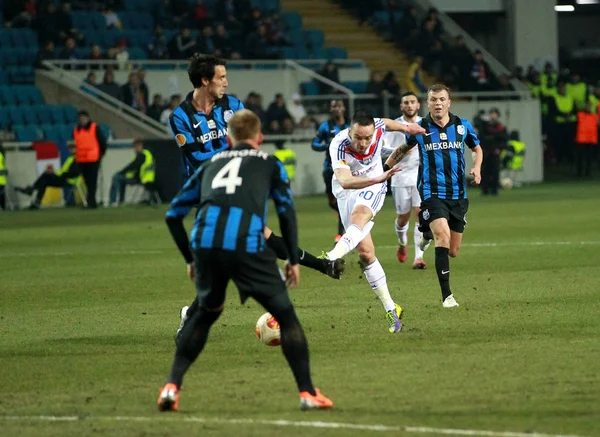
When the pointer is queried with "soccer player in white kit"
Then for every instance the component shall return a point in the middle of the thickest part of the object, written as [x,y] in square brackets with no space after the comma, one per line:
[404,184]
[359,185]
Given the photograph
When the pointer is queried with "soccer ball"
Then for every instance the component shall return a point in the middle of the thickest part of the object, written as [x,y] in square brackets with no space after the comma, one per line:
[506,183]
[267,330]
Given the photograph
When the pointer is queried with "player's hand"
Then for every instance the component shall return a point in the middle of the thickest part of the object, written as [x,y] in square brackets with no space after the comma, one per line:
[476,173]
[414,129]
[292,275]
[191,272]
[388,174]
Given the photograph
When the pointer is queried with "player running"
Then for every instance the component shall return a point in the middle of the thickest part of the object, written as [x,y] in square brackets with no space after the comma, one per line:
[359,185]
[199,125]
[228,243]
[404,184]
[442,180]
[327,130]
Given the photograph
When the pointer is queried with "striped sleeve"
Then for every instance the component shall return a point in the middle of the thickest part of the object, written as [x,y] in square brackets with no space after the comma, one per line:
[337,151]
[180,127]
[379,124]
[471,139]
[187,198]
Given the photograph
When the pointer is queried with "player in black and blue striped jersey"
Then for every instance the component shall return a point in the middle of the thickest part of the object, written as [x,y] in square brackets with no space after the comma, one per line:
[442,180]
[199,125]
[327,130]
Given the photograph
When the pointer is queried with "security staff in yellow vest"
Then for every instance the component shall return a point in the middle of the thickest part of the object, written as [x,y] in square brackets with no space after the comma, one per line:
[578,90]
[90,147]
[3,178]
[288,159]
[564,119]
[514,155]
[140,171]
[594,100]
[67,175]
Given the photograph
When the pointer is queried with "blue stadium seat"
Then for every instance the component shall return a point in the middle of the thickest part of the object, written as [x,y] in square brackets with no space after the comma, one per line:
[25,38]
[4,120]
[3,78]
[5,39]
[105,129]
[309,88]
[314,38]
[12,56]
[30,117]
[98,20]
[137,53]
[57,115]
[302,52]
[337,53]
[27,133]
[7,96]
[292,20]
[359,87]
[70,113]
[44,113]
[82,20]
[15,115]
[52,133]
[319,53]
[66,131]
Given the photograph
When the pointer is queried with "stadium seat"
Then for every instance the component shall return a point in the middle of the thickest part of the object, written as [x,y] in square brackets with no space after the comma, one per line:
[44,113]
[30,117]
[337,53]
[3,78]
[70,113]
[52,133]
[292,20]
[309,88]
[137,53]
[66,131]
[7,96]
[15,115]
[57,115]
[98,21]
[105,129]
[4,120]
[359,87]
[27,133]
[314,38]
[319,53]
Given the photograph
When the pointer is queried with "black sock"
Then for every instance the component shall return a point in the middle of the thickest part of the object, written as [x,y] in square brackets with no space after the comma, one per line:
[193,338]
[341,230]
[306,259]
[2,199]
[295,349]
[442,266]
[193,307]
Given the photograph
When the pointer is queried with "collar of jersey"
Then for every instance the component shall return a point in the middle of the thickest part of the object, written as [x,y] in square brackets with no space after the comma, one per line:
[451,121]
[217,103]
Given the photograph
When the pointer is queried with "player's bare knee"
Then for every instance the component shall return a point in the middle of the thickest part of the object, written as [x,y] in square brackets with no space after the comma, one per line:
[442,239]
[361,215]
[403,219]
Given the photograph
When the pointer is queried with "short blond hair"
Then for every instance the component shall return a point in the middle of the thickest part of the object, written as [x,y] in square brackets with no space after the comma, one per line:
[244,125]
[438,87]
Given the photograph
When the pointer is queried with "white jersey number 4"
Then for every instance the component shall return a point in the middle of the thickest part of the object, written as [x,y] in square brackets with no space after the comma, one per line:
[228,177]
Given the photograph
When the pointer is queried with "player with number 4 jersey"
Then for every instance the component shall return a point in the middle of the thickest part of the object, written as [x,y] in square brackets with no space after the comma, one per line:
[359,185]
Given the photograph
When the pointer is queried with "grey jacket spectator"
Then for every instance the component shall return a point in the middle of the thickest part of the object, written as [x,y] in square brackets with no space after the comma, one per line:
[109,86]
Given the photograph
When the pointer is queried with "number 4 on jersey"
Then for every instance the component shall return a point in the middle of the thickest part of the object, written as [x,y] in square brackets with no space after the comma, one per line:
[228,177]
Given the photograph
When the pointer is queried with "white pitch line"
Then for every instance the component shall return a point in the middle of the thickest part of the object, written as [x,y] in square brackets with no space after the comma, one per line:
[287,423]
[108,252]
[520,244]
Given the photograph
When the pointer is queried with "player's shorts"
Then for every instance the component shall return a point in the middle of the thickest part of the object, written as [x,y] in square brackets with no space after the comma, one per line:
[371,197]
[455,211]
[256,275]
[327,176]
[406,198]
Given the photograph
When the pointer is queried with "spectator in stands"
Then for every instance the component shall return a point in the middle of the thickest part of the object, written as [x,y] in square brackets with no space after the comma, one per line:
[90,79]
[66,176]
[296,109]
[96,55]
[503,83]
[434,16]
[112,19]
[181,12]
[163,13]
[494,139]
[257,44]
[158,47]
[132,95]
[331,72]
[564,122]
[24,19]
[65,24]
[120,54]
[182,46]
[48,53]
[407,31]
[376,85]
[253,21]
[157,107]
[174,102]
[279,119]
[391,84]
[480,72]
[109,86]
[200,17]
[413,82]
[276,31]
[224,43]
[90,147]
[71,53]
[254,103]
[232,13]
[206,42]
[47,23]
[459,60]
[578,89]
[141,73]
[518,73]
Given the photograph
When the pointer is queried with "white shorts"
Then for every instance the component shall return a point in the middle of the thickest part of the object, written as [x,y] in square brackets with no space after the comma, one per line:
[406,198]
[371,197]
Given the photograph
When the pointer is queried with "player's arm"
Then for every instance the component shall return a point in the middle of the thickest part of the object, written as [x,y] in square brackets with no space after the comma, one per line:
[398,153]
[472,141]
[136,164]
[181,205]
[349,182]
[319,142]
[284,205]
[409,129]
[184,135]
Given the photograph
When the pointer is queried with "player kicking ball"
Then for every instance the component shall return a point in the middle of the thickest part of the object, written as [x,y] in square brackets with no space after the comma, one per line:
[404,184]
[359,185]
[228,244]
[442,180]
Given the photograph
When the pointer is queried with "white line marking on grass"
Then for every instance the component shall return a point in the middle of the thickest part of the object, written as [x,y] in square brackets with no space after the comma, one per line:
[286,423]
[106,252]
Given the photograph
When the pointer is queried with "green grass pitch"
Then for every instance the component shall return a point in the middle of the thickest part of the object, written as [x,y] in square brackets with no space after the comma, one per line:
[89,303]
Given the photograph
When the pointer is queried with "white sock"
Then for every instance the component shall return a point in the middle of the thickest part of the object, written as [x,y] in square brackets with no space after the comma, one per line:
[417,238]
[401,232]
[376,277]
[349,241]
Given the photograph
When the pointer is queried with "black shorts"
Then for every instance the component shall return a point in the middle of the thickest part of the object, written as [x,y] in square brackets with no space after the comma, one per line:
[327,176]
[454,211]
[256,275]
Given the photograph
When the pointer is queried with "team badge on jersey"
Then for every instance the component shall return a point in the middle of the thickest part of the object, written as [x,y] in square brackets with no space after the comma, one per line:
[460,129]
[180,138]
[426,215]
[443,136]
[227,115]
